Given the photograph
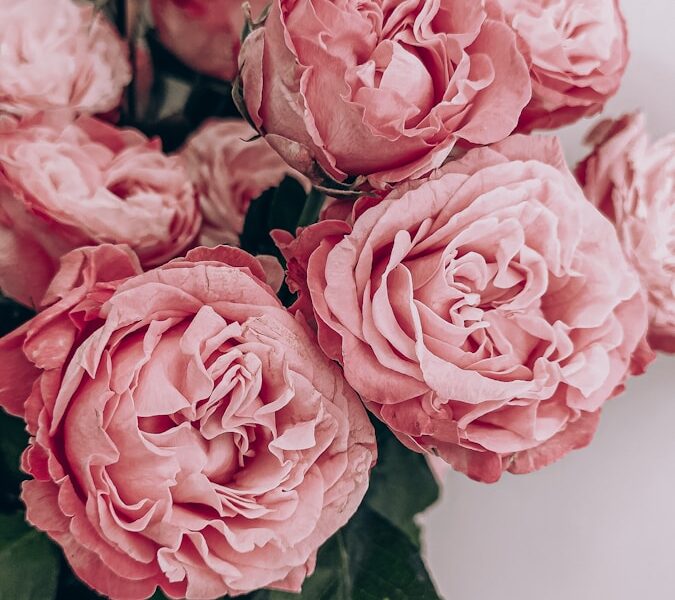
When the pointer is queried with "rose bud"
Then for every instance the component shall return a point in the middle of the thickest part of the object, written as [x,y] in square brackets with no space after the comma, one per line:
[59,54]
[186,432]
[485,314]
[577,50]
[632,181]
[66,184]
[229,169]
[353,90]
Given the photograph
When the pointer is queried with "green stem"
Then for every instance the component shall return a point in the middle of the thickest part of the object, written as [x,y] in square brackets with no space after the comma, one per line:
[346,587]
[313,205]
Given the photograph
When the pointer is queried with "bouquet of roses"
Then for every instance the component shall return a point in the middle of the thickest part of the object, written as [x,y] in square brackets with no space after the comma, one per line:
[265,268]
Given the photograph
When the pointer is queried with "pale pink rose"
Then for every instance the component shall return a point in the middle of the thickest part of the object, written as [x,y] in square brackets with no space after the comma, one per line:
[484,314]
[187,432]
[578,53]
[381,89]
[204,34]
[66,184]
[633,182]
[229,169]
[59,54]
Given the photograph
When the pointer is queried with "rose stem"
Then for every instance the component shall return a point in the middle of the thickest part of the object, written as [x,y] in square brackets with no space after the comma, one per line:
[313,204]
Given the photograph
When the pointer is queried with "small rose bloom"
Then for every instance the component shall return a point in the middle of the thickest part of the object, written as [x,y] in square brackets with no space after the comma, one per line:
[204,34]
[59,54]
[381,89]
[633,182]
[66,184]
[485,314]
[187,432]
[228,172]
[578,53]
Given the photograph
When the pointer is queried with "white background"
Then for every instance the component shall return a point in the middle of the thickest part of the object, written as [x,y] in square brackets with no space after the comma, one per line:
[600,523]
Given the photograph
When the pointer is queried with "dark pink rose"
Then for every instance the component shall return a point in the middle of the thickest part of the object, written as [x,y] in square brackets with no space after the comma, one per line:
[186,431]
[485,314]
[66,184]
[578,53]
[229,169]
[381,89]
[204,34]
[633,182]
[59,54]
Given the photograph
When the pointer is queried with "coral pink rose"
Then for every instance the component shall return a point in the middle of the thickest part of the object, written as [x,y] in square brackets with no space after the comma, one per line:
[381,89]
[59,54]
[67,184]
[578,53]
[204,34]
[484,314]
[228,172]
[633,182]
[187,432]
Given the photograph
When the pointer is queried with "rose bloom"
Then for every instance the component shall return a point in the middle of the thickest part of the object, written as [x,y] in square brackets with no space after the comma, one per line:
[578,53]
[66,184]
[381,89]
[633,182]
[59,54]
[228,172]
[187,432]
[204,34]
[484,314]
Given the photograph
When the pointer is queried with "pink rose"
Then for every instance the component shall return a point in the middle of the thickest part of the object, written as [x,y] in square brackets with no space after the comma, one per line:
[578,53]
[66,184]
[484,314]
[633,182]
[228,172]
[381,89]
[204,34]
[59,54]
[186,431]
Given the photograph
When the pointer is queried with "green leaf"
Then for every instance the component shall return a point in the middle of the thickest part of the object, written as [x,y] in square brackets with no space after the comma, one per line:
[172,130]
[369,559]
[240,104]
[164,62]
[255,237]
[401,484]
[70,587]
[386,565]
[277,208]
[12,315]
[287,205]
[13,441]
[29,562]
[331,578]
[376,556]
[312,209]
[209,98]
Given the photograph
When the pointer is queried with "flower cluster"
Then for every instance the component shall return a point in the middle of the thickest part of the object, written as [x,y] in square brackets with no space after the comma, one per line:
[199,428]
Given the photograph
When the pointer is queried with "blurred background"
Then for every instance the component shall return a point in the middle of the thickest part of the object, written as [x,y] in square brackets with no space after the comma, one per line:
[600,524]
